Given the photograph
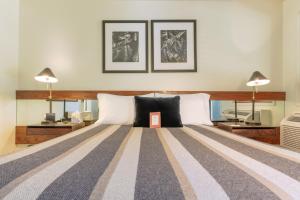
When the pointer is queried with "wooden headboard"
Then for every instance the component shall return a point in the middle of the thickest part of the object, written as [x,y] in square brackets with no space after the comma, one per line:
[92,94]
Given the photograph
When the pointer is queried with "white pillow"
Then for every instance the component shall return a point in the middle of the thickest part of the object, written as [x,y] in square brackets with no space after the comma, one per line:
[115,109]
[194,108]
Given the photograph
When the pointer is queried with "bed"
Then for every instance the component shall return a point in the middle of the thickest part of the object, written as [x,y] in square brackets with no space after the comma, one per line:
[113,160]
[124,162]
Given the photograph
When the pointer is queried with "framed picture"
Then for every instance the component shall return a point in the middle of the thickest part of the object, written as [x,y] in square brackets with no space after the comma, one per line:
[174,46]
[125,46]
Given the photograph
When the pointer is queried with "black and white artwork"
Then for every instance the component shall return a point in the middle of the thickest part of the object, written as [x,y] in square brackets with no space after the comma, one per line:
[174,46]
[125,46]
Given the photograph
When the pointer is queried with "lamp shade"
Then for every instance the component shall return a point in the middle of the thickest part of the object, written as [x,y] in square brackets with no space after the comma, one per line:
[257,79]
[46,76]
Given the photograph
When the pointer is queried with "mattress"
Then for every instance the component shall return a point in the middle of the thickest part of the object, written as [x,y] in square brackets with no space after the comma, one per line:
[120,162]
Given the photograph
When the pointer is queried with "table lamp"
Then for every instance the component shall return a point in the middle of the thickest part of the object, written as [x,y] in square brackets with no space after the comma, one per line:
[47,76]
[257,79]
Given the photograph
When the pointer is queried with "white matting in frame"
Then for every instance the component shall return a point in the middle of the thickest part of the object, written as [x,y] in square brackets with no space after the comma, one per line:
[125,46]
[174,46]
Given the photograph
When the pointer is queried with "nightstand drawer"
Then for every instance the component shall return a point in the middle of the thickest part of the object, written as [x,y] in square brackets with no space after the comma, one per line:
[251,133]
[264,135]
[35,134]
[268,134]
[48,131]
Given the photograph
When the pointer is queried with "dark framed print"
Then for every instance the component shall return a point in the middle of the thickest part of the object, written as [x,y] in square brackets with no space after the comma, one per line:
[125,46]
[174,45]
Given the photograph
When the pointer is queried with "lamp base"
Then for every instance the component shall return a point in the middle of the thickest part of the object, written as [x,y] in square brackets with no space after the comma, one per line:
[253,122]
[233,120]
[50,117]
[47,122]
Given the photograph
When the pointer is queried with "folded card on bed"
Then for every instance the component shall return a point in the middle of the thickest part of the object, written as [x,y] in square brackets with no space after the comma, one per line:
[155,120]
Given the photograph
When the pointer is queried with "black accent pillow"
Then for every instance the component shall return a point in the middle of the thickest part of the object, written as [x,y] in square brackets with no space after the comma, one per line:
[168,107]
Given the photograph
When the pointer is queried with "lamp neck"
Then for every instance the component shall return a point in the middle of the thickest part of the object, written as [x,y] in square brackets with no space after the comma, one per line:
[49,87]
[254,91]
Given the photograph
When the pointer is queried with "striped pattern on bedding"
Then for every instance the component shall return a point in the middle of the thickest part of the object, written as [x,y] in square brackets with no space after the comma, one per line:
[120,162]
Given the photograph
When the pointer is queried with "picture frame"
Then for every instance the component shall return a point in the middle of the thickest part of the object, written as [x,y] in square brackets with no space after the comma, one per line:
[125,46]
[173,46]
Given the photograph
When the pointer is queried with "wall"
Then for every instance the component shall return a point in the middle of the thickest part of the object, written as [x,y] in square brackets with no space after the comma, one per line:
[9,12]
[235,37]
[291,49]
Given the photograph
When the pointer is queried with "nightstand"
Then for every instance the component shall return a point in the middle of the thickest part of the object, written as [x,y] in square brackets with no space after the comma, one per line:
[34,134]
[263,133]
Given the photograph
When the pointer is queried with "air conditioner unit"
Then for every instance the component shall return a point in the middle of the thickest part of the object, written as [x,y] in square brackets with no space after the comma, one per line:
[290,132]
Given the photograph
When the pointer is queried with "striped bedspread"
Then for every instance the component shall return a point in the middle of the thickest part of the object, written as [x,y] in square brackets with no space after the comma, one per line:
[120,162]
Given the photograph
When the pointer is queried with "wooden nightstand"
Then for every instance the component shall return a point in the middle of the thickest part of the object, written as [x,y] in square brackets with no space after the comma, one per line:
[38,133]
[263,133]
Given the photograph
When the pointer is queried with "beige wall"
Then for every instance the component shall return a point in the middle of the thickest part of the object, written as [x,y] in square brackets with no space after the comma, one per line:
[291,49]
[234,38]
[9,12]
